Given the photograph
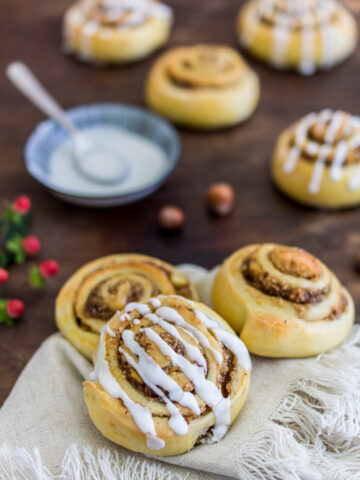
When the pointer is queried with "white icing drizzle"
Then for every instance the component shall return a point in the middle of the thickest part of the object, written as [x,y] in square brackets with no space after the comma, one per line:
[193,352]
[142,308]
[136,321]
[173,316]
[292,159]
[87,32]
[231,341]
[335,120]
[155,302]
[354,183]
[280,35]
[335,124]
[141,415]
[125,317]
[153,375]
[109,331]
[159,381]
[307,66]
[318,171]
[339,158]
[304,16]
[206,389]
[74,18]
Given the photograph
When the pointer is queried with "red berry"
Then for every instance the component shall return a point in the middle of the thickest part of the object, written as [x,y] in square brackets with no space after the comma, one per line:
[49,268]
[15,308]
[31,245]
[4,275]
[22,205]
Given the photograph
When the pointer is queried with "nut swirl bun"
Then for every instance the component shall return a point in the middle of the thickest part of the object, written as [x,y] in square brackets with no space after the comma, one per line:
[168,373]
[317,160]
[116,31]
[283,301]
[203,86]
[305,35]
[96,291]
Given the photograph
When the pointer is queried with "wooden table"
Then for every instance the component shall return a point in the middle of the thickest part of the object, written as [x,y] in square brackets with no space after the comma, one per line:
[31,31]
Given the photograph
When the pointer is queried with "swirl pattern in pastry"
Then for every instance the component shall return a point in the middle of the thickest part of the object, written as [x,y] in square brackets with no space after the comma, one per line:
[283,301]
[168,373]
[203,86]
[100,288]
[317,160]
[306,35]
[116,31]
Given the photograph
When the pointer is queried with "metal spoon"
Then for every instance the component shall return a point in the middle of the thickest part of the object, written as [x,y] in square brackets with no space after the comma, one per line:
[98,164]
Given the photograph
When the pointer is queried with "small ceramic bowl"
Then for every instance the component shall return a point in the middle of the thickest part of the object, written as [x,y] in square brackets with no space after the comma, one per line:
[47,136]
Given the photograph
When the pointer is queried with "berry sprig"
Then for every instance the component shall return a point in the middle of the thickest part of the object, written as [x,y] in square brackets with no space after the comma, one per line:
[16,246]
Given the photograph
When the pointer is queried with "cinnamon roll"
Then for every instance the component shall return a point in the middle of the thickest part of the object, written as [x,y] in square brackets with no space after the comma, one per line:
[116,31]
[305,35]
[94,293]
[317,160]
[283,301]
[169,373]
[203,86]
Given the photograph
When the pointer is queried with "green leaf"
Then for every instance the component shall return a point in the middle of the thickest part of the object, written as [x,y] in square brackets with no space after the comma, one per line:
[14,246]
[4,317]
[13,228]
[4,259]
[36,280]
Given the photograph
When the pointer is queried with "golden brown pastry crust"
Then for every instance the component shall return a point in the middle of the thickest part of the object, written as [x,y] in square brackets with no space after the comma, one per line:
[96,291]
[116,31]
[228,374]
[283,301]
[203,86]
[301,35]
[317,160]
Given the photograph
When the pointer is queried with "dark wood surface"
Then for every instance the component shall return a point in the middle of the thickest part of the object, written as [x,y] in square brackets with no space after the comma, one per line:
[31,31]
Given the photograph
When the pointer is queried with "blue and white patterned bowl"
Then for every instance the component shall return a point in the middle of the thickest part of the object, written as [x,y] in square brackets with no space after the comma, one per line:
[48,135]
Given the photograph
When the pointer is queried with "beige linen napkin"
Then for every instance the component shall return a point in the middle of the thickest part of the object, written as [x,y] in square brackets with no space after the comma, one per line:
[301,421]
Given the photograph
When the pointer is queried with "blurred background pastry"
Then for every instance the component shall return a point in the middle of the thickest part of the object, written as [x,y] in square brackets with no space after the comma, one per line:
[96,291]
[305,35]
[116,31]
[283,301]
[169,373]
[317,160]
[202,86]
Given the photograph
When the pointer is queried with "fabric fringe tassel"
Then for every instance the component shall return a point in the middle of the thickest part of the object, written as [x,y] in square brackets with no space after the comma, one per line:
[315,432]
[81,463]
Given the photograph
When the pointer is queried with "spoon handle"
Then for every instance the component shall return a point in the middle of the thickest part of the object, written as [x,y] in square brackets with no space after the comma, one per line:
[22,77]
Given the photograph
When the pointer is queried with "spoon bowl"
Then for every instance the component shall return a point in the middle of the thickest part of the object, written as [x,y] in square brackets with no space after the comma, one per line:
[97,164]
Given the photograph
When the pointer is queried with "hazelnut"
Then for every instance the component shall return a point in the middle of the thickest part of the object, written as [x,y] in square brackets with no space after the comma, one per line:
[221,198]
[171,217]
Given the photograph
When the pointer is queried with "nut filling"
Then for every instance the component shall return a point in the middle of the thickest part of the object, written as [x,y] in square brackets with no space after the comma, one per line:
[270,285]
[111,295]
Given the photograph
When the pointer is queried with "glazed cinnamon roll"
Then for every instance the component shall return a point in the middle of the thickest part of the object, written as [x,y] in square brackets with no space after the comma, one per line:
[283,301]
[317,160]
[204,86]
[169,373]
[305,35]
[115,31]
[93,294]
